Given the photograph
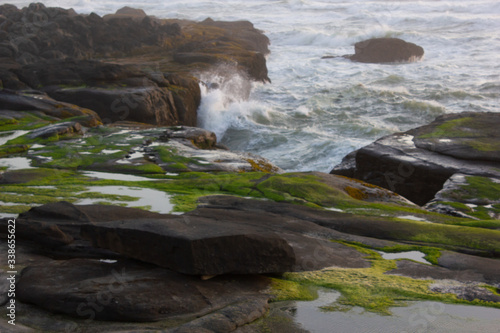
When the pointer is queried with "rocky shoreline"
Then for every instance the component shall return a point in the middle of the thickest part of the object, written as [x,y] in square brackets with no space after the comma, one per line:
[92,107]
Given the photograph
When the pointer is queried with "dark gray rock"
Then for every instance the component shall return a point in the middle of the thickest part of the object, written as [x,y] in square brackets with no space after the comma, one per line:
[69,218]
[200,247]
[131,291]
[386,50]
[488,267]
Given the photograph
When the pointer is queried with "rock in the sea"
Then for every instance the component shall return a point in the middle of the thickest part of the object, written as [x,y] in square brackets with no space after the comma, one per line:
[386,50]
[416,163]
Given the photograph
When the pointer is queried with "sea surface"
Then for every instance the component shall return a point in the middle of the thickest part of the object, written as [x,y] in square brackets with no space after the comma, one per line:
[316,110]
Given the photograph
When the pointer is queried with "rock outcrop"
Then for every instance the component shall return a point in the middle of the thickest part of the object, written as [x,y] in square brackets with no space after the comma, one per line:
[418,162]
[127,66]
[386,50]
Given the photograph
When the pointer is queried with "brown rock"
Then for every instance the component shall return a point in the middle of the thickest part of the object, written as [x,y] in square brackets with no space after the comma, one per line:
[386,50]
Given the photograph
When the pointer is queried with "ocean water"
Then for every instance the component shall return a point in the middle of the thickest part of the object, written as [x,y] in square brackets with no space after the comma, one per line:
[316,110]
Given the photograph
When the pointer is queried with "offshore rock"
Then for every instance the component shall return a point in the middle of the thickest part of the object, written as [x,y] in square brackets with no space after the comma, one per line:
[386,50]
[416,163]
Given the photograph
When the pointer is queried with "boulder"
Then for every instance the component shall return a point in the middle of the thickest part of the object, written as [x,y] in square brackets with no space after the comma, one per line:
[416,163]
[386,50]
[200,247]
[184,149]
[126,12]
[70,218]
[467,136]
[133,292]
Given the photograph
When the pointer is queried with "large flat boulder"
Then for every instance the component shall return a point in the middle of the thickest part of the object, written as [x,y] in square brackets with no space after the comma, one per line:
[416,163]
[136,292]
[199,247]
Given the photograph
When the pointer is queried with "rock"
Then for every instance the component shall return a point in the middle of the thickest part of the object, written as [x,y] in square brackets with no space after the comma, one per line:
[410,165]
[468,196]
[149,81]
[489,268]
[116,92]
[200,247]
[130,291]
[69,128]
[36,101]
[361,190]
[124,12]
[467,291]
[465,283]
[127,33]
[467,135]
[386,50]
[71,217]
[21,176]
[201,138]
[197,150]
[421,271]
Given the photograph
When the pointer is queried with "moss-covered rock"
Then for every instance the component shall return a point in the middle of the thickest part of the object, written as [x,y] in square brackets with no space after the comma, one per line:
[417,163]
[469,196]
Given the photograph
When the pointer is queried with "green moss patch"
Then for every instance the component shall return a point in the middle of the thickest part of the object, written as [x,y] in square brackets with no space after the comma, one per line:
[479,188]
[371,289]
